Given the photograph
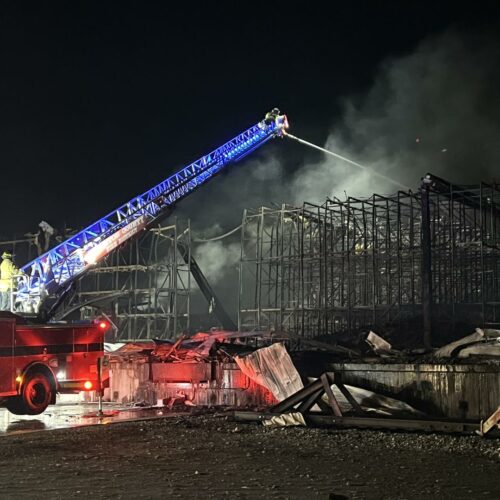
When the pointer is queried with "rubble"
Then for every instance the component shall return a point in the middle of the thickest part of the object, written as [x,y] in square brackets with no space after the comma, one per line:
[286,420]
[236,346]
[377,343]
[451,349]
[202,346]
[260,369]
[485,350]
[484,343]
[273,368]
[371,402]
[198,370]
[490,423]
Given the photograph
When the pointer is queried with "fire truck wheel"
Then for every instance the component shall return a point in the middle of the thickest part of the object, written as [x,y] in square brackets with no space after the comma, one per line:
[35,397]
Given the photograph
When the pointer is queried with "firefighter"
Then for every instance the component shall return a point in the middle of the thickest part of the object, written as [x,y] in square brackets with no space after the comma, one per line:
[271,116]
[8,272]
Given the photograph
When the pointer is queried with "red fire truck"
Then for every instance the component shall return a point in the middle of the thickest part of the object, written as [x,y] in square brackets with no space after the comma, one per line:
[39,361]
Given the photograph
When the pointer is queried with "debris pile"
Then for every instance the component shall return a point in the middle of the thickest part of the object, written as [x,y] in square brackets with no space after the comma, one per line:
[198,370]
[480,344]
[216,344]
[226,346]
[263,369]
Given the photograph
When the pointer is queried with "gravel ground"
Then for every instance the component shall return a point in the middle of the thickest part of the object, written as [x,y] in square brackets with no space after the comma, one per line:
[213,457]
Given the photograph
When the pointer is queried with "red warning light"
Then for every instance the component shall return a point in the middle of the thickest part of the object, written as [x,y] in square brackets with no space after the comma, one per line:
[88,385]
[103,325]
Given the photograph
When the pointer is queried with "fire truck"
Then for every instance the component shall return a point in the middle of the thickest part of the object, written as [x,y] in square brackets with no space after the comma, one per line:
[39,361]
[41,356]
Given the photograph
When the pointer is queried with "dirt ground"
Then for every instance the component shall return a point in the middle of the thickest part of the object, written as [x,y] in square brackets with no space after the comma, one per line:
[213,457]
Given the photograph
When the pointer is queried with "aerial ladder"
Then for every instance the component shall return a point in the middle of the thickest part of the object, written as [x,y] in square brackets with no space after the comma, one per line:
[48,277]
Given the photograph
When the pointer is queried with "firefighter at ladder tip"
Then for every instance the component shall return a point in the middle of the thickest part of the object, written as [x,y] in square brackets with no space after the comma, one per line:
[271,116]
[8,280]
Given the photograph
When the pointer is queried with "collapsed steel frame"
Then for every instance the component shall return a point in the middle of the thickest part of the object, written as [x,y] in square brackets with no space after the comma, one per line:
[331,415]
[144,288]
[418,260]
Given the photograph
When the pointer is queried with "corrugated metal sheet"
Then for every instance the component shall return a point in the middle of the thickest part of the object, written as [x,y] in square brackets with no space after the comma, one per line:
[273,368]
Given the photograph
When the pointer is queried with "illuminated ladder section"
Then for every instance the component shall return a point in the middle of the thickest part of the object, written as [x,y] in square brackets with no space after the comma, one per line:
[51,272]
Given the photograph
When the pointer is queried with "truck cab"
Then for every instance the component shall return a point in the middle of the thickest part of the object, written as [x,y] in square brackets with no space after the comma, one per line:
[40,360]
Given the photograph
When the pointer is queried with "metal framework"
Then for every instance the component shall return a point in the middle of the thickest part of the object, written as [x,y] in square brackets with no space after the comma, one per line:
[303,402]
[23,248]
[144,288]
[418,260]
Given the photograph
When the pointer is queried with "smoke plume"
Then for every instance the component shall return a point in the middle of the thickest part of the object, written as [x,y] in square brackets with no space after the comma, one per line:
[217,259]
[434,110]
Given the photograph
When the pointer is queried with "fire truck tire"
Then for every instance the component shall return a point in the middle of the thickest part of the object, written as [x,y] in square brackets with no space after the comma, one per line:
[36,395]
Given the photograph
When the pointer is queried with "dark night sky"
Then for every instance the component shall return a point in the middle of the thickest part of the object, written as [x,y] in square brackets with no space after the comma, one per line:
[99,101]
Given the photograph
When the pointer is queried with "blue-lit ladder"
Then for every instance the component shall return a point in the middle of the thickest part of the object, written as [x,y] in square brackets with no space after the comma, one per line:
[54,270]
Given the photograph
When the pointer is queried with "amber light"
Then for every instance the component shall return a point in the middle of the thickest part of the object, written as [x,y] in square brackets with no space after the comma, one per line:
[87,385]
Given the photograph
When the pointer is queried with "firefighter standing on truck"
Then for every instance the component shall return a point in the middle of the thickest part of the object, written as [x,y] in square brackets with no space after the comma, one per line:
[8,272]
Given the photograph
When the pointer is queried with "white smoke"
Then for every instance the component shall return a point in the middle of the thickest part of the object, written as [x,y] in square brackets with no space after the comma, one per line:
[435,110]
[218,260]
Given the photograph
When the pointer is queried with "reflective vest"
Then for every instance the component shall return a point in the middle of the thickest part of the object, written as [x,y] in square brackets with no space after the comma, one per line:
[7,271]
